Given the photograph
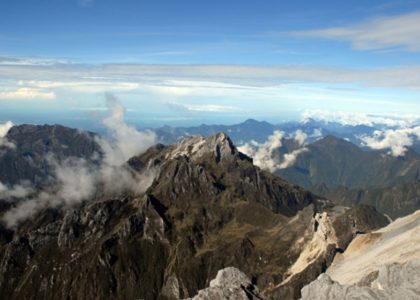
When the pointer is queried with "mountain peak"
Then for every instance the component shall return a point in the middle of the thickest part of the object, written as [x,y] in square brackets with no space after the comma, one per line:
[197,146]
[250,121]
[253,122]
[331,140]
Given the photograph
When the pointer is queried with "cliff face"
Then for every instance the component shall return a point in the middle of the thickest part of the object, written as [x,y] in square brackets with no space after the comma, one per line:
[384,264]
[208,208]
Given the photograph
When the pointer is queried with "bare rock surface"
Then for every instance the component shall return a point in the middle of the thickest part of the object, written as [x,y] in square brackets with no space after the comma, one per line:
[395,281]
[229,284]
[384,264]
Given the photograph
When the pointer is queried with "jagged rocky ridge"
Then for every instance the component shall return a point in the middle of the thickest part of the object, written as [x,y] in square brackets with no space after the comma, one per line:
[208,208]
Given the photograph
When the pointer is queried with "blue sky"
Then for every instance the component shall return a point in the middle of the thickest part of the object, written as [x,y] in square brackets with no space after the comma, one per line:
[189,62]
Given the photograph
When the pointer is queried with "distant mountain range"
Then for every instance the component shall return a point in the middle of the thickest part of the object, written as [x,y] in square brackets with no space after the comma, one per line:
[259,130]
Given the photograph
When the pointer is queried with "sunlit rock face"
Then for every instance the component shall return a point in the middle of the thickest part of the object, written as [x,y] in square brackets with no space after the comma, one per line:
[384,264]
[230,283]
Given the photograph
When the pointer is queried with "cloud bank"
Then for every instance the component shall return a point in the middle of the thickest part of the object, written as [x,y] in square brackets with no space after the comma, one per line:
[26,93]
[355,119]
[180,79]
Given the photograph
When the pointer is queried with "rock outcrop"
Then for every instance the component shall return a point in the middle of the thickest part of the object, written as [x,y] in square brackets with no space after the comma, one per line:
[230,283]
[396,281]
[384,264]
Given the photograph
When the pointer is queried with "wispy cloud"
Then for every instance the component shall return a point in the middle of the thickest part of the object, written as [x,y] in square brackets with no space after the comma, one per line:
[85,2]
[203,107]
[205,76]
[85,86]
[26,93]
[392,32]
[30,61]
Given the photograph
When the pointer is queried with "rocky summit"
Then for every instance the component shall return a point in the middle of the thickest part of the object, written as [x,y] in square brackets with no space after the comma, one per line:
[208,209]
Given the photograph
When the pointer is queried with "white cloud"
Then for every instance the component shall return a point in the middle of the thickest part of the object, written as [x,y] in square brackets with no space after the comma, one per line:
[317,133]
[125,141]
[86,86]
[289,159]
[16,191]
[399,31]
[4,129]
[396,140]
[266,155]
[357,118]
[184,79]
[300,137]
[26,93]
[203,107]
[28,61]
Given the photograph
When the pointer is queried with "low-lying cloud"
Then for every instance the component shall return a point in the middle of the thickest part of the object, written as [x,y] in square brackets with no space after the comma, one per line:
[16,191]
[289,159]
[355,119]
[300,137]
[267,155]
[396,140]
[79,179]
[4,129]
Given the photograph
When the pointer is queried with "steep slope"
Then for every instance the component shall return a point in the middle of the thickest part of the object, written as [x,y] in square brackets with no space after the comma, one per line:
[27,160]
[348,175]
[336,162]
[384,264]
[395,201]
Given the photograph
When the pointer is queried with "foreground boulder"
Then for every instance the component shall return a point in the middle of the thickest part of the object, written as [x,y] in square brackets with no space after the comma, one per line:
[230,283]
